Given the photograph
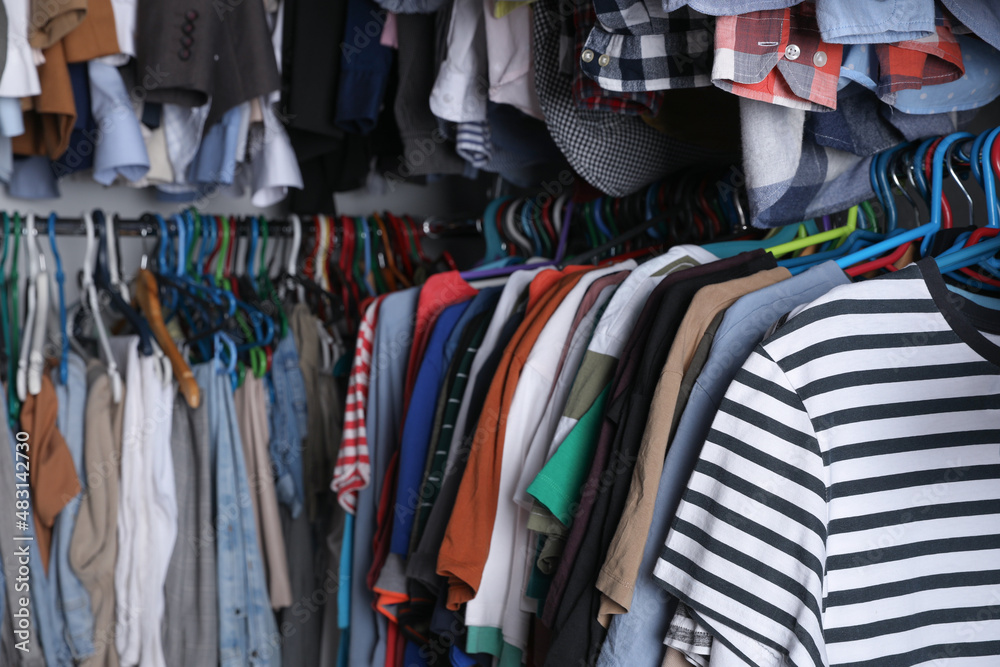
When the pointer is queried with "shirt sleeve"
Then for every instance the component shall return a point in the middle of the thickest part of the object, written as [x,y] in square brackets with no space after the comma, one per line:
[747,546]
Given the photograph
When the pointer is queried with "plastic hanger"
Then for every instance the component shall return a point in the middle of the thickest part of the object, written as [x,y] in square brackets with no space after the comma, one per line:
[103,281]
[5,315]
[13,324]
[61,295]
[923,231]
[30,360]
[114,266]
[723,249]
[821,237]
[90,289]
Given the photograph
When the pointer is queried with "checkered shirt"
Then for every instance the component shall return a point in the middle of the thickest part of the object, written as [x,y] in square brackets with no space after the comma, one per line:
[587,93]
[777,56]
[617,154]
[636,46]
[916,63]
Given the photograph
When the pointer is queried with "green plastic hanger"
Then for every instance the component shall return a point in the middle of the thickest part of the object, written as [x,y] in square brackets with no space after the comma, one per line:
[815,239]
[13,404]
[3,292]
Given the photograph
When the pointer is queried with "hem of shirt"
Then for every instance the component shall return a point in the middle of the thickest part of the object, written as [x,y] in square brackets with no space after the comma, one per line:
[550,495]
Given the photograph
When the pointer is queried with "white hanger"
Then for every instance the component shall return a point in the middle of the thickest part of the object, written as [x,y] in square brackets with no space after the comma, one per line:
[113,275]
[36,358]
[293,253]
[291,267]
[95,308]
[324,249]
[29,320]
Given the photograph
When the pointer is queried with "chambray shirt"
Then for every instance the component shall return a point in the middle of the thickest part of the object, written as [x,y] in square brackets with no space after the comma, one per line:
[289,424]
[120,149]
[635,639]
[247,630]
[393,335]
[215,161]
[70,599]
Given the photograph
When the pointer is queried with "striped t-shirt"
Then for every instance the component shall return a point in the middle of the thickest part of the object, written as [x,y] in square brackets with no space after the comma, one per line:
[845,509]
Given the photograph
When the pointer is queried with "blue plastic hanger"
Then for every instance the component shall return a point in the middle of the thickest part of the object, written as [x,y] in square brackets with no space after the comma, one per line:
[495,248]
[925,231]
[251,257]
[61,286]
[529,229]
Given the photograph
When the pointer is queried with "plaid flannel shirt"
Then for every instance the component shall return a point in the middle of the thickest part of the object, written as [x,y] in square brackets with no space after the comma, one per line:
[915,63]
[587,93]
[777,56]
[636,46]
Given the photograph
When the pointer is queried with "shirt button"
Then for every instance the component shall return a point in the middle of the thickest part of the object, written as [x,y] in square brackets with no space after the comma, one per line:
[604,60]
[819,58]
[184,54]
[191,15]
[792,52]
[188,28]
[587,55]
[186,41]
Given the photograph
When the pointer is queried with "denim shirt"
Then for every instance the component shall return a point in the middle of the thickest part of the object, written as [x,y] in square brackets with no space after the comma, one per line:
[248,633]
[289,424]
[70,599]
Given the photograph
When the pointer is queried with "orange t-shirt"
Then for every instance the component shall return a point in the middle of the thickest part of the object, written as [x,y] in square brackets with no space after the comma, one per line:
[466,541]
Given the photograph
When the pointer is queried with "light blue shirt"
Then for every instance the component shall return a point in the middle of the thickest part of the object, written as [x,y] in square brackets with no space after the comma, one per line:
[120,149]
[33,178]
[11,117]
[70,599]
[216,158]
[393,336]
[635,639]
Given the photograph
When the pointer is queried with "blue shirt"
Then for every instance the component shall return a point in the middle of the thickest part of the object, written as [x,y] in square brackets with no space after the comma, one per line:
[364,68]
[246,622]
[79,153]
[393,335]
[216,158]
[418,426]
[635,639]
[120,149]
[69,597]
[33,178]
[289,424]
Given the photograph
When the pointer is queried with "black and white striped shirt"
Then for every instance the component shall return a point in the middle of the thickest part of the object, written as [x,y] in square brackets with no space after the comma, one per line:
[845,509]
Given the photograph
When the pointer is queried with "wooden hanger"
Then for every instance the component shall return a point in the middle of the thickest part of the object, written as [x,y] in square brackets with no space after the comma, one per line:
[146,296]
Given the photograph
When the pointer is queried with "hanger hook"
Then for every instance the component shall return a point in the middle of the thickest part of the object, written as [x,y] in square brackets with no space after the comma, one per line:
[951,170]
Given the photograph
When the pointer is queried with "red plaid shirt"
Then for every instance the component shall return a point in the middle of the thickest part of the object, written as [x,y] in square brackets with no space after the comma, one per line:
[916,63]
[778,56]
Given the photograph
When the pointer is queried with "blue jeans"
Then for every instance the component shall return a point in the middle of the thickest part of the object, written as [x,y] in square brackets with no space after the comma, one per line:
[71,600]
[248,634]
[288,425]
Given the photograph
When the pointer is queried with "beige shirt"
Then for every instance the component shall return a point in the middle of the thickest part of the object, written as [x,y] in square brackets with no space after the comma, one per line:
[616,580]
[93,549]
[251,412]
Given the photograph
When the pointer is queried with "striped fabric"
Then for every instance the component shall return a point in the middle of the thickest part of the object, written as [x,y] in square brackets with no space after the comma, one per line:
[845,509]
[353,469]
